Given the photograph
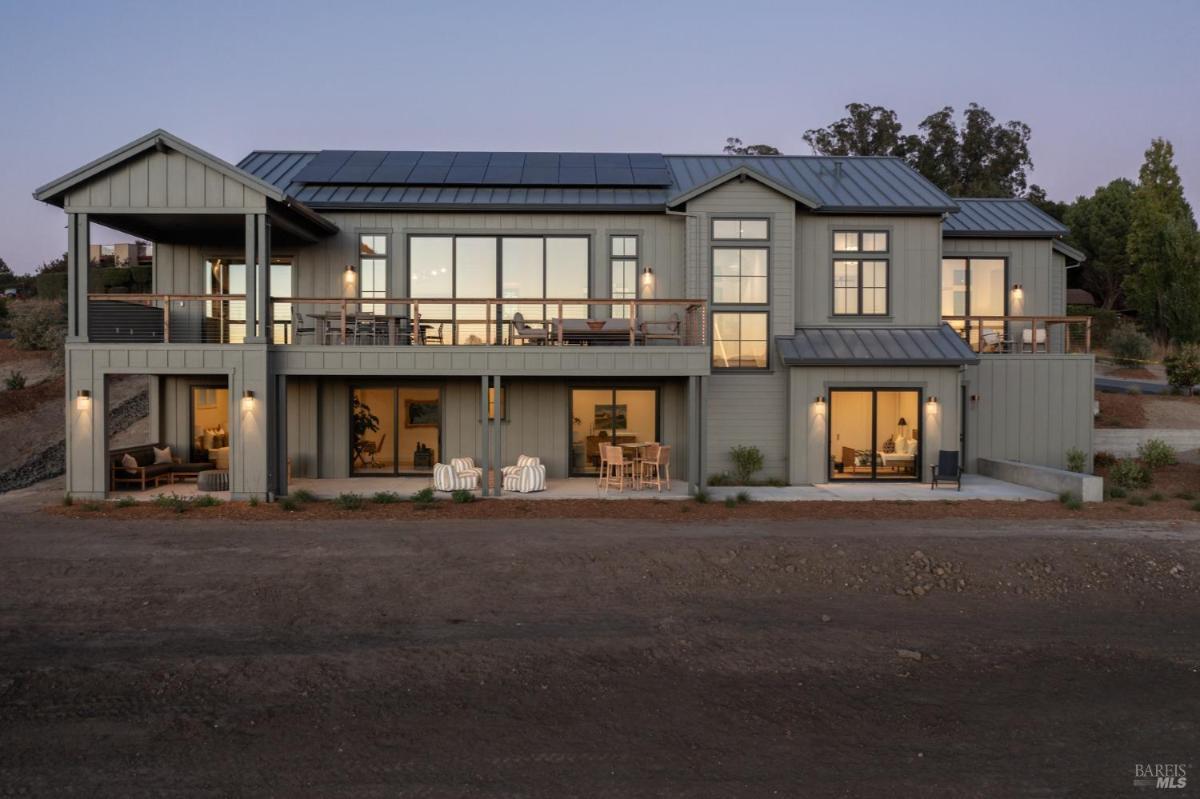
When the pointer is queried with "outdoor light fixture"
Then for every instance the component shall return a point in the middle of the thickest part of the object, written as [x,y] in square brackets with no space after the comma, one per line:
[648,282]
[247,400]
[820,400]
[83,400]
[931,404]
[1017,290]
[349,279]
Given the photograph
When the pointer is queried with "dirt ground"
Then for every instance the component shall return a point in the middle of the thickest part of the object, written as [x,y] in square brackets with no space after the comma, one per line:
[596,657]
[1145,411]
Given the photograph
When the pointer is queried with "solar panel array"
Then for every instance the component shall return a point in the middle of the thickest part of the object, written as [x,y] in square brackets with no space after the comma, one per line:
[408,168]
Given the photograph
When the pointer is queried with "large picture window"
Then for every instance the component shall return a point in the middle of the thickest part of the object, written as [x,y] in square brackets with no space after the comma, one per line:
[523,269]
[739,276]
[739,340]
[227,276]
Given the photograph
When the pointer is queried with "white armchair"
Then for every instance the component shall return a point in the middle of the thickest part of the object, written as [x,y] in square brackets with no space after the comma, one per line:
[445,478]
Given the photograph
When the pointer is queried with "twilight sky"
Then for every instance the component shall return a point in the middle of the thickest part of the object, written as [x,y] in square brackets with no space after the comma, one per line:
[1095,80]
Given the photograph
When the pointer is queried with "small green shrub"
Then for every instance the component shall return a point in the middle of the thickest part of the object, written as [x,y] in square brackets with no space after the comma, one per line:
[1073,504]
[1157,497]
[731,502]
[746,461]
[1134,391]
[701,496]
[348,501]
[1116,492]
[1156,453]
[1137,500]
[302,495]
[462,496]
[1185,495]
[39,325]
[253,502]
[776,482]
[15,380]
[1076,460]
[172,502]
[1183,368]
[386,498]
[721,479]
[1103,459]
[206,501]
[743,497]
[289,504]
[126,502]
[1065,497]
[1129,346]
[1129,474]
[92,505]
[424,498]
[67,501]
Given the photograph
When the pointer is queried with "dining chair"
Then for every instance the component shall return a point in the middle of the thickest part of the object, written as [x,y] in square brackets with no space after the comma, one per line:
[299,328]
[365,328]
[602,449]
[617,468]
[656,466]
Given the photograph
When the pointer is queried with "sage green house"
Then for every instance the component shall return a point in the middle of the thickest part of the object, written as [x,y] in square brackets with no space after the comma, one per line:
[334,314]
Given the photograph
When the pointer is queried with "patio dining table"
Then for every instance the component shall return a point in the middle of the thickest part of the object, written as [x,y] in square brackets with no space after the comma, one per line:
[594,331]
[399,326]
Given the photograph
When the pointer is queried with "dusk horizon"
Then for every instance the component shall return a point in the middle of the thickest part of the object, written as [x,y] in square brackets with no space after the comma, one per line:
[617,78]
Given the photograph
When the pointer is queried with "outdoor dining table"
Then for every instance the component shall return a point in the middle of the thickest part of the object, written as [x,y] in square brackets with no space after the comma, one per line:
[399,326]
[638,448]
[593,331]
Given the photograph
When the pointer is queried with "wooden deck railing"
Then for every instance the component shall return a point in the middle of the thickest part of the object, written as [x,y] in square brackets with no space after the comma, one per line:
[220,319]
[1025,334]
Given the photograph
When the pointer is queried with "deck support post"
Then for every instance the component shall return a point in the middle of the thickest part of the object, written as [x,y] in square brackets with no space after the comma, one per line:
[251,301]
[485,429]
[693,434]
[78,241]
[499,449]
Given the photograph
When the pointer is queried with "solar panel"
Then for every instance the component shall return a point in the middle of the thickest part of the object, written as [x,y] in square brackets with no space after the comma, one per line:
[483,168]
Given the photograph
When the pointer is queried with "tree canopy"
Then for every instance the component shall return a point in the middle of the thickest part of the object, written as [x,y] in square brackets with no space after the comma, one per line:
[1164,250]
[734,146]
[982,158]
[1100,227]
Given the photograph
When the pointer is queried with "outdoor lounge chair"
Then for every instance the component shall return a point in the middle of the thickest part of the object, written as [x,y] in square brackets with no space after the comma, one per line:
[523,331]
[526,476]
[445,478]
[666,330]
[947,468]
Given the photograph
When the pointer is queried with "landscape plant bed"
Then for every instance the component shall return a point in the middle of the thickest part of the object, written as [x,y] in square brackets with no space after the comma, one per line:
[1169,508]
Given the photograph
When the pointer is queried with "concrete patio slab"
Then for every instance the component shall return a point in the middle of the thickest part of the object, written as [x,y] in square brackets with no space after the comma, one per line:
[974,486]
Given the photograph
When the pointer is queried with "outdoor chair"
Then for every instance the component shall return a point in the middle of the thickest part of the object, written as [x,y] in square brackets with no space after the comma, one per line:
[617,468]
[947,468]
[656,467]
[366,328]
[466,465]
[299,328]
[992,341]
[523,331]
[526,476]
[445,478]
[666,330]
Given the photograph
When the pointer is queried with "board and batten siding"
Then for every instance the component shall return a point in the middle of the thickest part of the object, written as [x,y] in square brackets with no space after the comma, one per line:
[160,181]
[747,408]
[1030,408]
[537,423]
[808,435]
[914,269]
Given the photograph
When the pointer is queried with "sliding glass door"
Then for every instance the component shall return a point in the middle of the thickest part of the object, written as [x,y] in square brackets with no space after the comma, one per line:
[229,277]
[975,287]
[394,430]
[608,416]
[874,434]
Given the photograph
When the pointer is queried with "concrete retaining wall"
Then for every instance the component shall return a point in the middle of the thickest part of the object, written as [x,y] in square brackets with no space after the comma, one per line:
[1124,443]
[1087,487]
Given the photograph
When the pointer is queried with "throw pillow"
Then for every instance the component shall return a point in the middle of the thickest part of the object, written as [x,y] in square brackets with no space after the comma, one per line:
[889,446]
[162,455]
[130,463]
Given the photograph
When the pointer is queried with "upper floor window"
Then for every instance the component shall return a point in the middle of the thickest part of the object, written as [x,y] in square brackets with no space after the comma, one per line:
[739,340]
[739,275]
[623,259]
[740,229]
[860,288]
[372,267]
[861,241]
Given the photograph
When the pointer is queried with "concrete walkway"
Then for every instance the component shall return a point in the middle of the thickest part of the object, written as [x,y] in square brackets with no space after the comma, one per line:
[974,486]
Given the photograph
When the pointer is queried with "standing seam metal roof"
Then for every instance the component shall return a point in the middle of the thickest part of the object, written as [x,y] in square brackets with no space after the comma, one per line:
[354,178]
[1001,216]
[891,346]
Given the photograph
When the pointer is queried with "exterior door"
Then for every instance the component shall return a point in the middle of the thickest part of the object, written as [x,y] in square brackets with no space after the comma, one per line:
[874,434]
[606,416]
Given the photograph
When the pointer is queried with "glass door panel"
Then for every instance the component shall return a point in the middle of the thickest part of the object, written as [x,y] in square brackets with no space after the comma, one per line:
[210,425]
[419,433]
[523,278]
[874,434]
[474,277]
[373,431]
[896,435]
[606,417]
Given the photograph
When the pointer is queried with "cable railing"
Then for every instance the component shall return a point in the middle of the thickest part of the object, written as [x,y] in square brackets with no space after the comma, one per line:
[383,321]
[1025,334]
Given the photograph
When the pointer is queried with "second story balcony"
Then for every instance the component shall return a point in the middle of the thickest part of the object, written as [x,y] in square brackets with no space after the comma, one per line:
[401,322]
[1011,335]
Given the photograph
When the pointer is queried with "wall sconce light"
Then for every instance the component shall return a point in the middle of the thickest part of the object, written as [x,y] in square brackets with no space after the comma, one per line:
[1018,291]
[648,283]
[349,280]
[931,404]
[974,400]
[247,400]
[820,400]
[83,400]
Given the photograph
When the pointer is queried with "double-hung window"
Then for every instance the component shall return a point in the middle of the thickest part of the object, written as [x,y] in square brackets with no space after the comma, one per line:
[860,272]
[623,260]
[740,266]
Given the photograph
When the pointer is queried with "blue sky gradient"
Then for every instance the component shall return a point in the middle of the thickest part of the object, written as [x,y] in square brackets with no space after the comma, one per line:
[1096,81]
